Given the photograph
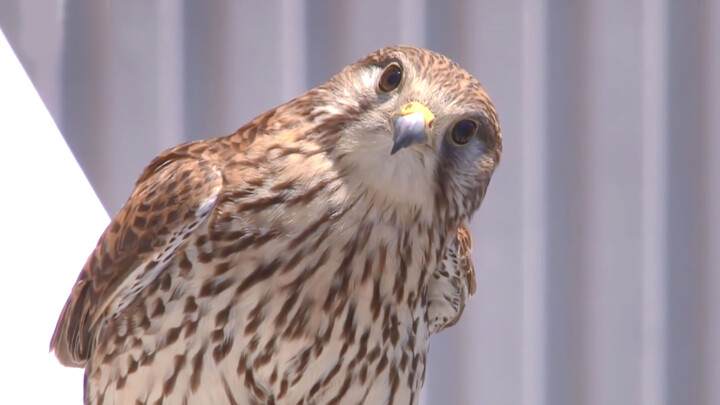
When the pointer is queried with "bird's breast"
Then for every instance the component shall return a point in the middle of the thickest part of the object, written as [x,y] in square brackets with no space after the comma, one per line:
[330,302]
[333,303]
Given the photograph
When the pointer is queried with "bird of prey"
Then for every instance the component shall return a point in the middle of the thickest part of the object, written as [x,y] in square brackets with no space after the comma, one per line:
[304,259]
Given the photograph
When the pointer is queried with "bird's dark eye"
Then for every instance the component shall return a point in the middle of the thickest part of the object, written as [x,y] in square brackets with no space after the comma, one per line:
[390,78]
[463,132]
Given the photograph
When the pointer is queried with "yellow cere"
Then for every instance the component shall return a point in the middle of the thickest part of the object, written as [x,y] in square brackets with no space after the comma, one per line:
[415,107]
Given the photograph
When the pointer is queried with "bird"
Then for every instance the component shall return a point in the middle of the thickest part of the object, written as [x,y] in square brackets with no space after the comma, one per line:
[306,258]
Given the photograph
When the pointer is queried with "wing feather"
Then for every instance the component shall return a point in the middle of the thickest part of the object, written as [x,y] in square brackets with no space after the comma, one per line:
[467,269]
[175,194]
[452,283]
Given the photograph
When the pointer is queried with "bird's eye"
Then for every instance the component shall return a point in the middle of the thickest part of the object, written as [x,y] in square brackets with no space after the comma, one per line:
[390,78]
[463,132]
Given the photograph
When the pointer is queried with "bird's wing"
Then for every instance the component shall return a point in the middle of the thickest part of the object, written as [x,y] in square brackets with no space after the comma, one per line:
[452,283]
[175,194]
[464,249]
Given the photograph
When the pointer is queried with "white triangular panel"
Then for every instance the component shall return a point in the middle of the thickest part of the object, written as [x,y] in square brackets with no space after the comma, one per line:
[50,220]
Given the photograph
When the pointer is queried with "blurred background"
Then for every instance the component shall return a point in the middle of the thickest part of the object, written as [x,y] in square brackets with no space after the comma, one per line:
[597,249]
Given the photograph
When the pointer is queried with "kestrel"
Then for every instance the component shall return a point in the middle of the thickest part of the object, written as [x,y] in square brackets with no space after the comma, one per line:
[304,259]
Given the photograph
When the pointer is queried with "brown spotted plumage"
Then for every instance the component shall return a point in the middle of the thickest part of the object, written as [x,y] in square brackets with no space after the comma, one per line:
[454,283]
[304,259]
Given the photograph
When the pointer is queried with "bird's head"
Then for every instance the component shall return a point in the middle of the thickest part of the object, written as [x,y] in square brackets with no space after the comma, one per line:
[413,127]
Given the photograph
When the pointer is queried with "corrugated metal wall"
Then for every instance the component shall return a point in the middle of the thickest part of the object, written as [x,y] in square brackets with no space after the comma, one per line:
[598,246]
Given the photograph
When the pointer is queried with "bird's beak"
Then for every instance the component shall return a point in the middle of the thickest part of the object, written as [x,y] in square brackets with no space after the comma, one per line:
[411,125]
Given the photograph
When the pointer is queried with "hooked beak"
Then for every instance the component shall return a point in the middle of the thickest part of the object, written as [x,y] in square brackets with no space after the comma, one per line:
[411,125]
